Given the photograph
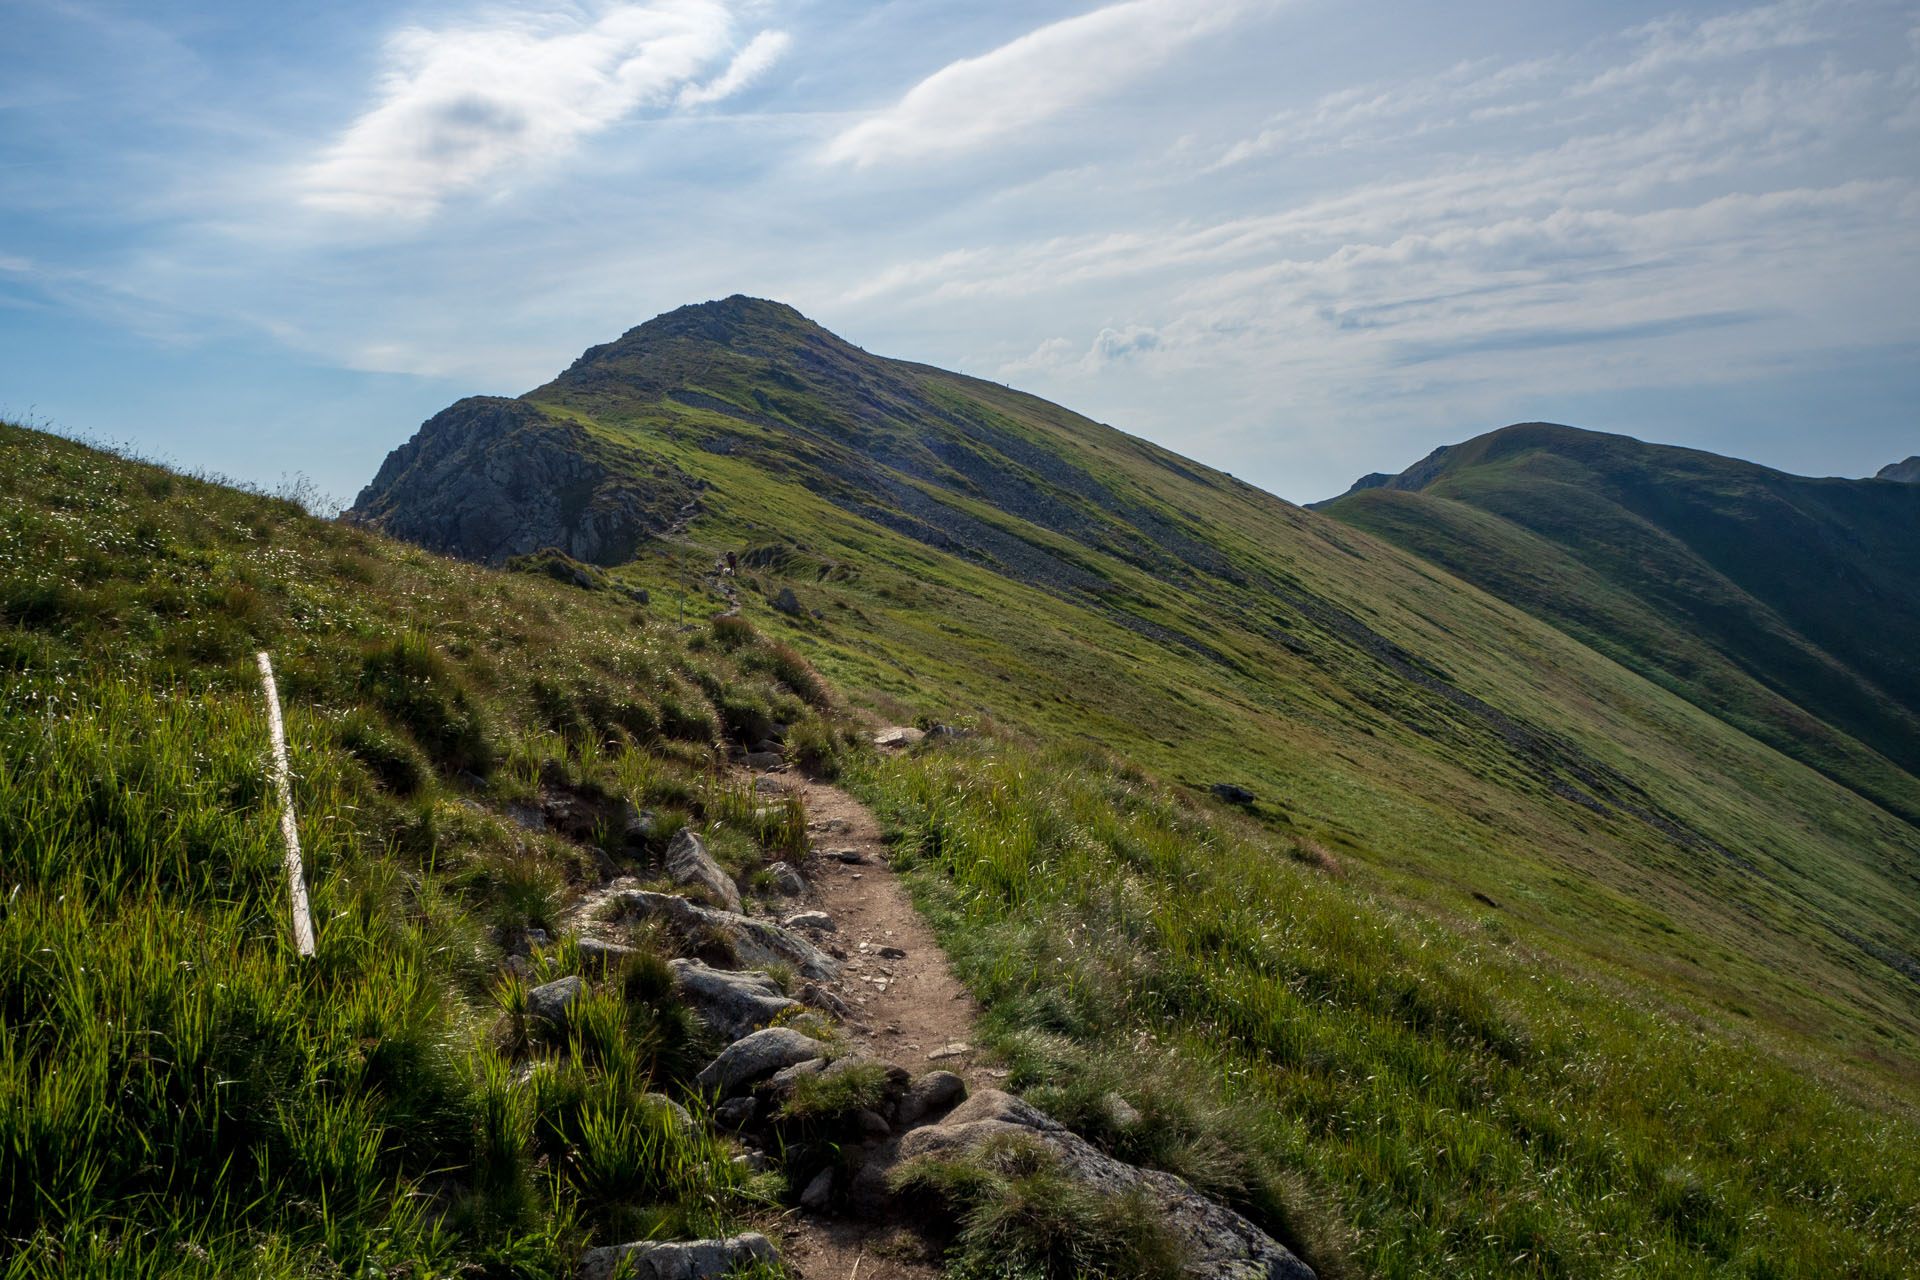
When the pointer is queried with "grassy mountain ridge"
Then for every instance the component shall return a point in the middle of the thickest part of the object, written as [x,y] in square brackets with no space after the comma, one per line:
[1777,601]
[180,1094]
[1642,1050]
[972,550]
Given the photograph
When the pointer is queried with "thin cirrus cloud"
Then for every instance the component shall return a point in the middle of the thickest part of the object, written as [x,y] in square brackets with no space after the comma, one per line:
[976,101]
[1702,225]
[457,107]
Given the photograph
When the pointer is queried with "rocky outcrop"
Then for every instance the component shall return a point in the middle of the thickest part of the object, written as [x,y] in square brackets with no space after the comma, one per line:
[753,1058]
[1219,1244]
[681,1260]
[731,1004]
[1907,472]
[489,479]
[691,866]
[748,943]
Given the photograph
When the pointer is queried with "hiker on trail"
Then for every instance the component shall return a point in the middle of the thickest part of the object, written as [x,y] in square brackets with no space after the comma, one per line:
[732,562]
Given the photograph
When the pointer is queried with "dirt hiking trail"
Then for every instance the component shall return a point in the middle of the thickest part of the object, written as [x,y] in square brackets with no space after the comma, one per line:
[908,1008]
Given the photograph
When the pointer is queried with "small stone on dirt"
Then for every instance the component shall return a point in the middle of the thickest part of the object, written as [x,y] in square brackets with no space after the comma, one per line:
[958,1049]
[819,1192]
[788,881]
[809,920]
[765,760]
[853,857]
[891,953]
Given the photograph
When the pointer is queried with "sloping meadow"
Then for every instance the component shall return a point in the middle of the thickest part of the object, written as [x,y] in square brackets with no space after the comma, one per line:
[180,1093]
[1392,1096]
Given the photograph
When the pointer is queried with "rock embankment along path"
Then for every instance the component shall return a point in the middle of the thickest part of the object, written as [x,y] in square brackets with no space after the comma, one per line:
[864,989]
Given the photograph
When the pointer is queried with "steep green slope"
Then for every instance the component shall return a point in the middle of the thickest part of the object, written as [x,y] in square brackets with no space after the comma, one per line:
[973,551]
[1785,605]
[181,1094]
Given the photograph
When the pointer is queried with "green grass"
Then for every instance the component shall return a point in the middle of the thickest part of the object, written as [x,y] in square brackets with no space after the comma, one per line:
[1089,587]
[180,1093]
[1390,1095]
[1760,596]
[1020,1217]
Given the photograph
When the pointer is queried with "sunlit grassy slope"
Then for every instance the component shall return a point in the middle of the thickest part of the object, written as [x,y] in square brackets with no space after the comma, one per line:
[1788,606]
[1421,1098]
[180,1094]
[973,551]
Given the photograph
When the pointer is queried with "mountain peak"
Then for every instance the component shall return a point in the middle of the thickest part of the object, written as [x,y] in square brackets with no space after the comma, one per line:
[671,347]
[1907,472]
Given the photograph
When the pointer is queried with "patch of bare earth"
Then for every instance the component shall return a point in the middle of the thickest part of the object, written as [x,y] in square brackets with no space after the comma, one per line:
[907,1008]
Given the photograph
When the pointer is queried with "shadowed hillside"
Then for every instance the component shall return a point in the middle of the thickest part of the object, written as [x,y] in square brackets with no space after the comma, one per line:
[1786,605]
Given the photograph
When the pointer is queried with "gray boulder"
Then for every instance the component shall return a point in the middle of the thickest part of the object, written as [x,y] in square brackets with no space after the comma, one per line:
[819,1192]
[931,1095]
[661,1102]
[754,1058]
[1219,1243]
[756,944]
[551,1000]
[736,1113]
[732,1004]
[787,880]
[680,1260]
[689,864]
[809,920]
[599,955]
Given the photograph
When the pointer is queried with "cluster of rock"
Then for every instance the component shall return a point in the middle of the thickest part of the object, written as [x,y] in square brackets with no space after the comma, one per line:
[775,1041]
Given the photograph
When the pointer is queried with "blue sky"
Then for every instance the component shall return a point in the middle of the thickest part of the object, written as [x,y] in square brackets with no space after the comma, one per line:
[1298,241]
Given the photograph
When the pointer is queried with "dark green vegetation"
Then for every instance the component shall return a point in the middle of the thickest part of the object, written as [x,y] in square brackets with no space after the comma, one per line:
[1787,606]
[1519,959]
[179,1093]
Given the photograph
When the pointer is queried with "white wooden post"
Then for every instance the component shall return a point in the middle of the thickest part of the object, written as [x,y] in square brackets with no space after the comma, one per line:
[289,832]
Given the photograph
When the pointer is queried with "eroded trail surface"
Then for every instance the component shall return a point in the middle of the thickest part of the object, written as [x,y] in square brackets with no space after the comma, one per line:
[907,1007]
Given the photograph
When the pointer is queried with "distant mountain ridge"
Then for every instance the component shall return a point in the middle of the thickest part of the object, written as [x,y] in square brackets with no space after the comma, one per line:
[1789,605]
[1907,472]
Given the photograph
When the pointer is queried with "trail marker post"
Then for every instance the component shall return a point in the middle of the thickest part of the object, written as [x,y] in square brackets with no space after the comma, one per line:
[289,831]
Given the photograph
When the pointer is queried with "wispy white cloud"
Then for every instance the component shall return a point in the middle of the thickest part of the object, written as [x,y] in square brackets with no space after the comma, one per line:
[1067,64]
[747,66]
[459,106]
[1679,40]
